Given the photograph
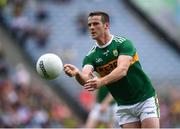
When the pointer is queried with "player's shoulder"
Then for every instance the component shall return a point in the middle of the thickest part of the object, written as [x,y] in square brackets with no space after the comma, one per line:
[92,50]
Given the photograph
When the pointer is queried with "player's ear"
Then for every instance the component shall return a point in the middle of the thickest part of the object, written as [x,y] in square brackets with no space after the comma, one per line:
[107,25]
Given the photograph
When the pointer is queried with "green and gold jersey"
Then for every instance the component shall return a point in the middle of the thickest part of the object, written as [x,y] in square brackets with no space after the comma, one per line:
[135,86]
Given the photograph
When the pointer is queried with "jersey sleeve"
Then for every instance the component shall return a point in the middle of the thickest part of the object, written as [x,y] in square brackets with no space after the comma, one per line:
[87,61]
[127,48]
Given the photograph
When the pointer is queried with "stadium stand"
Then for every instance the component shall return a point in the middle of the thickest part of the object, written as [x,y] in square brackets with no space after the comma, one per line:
[26,101]
[60,27]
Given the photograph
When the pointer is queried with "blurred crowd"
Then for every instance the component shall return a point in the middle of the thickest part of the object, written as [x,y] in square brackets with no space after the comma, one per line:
[23,28]
[169,99]
[23,104]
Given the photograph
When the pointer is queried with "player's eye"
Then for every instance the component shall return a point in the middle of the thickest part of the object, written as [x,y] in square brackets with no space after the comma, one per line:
[95,23]
[89,25]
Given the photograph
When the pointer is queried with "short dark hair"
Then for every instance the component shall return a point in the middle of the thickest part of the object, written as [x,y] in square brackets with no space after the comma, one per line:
[104,16]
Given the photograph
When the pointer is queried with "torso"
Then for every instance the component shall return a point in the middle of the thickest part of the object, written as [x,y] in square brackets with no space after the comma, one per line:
[132,88]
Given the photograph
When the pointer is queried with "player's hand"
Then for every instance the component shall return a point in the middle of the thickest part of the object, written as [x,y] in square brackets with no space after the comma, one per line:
[93,84]
[71,70]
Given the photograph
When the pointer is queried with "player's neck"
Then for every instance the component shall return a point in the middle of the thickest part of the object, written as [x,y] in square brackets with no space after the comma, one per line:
[104,39]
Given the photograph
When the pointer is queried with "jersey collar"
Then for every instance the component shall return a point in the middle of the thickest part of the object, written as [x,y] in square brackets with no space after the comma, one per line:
[105,45]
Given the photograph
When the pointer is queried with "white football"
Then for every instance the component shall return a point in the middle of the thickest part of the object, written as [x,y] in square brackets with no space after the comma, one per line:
[49,66]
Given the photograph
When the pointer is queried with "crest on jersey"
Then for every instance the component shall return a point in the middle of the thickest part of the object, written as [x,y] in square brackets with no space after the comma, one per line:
[115,52]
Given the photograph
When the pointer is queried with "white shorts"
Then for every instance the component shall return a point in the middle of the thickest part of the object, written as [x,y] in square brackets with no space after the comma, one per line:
[138,112]
[106,116]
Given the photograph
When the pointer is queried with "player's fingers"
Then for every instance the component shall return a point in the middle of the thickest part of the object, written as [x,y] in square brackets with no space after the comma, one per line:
[89,88]
[88,85]
[92,89]
[68,72]
[92,84]
[66,68]
[70,75]
[90,81]
[69,66]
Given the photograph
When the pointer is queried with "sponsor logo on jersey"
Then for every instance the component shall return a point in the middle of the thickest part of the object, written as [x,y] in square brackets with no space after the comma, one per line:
[107,68]
[115,52]
[106,53]
[98,60]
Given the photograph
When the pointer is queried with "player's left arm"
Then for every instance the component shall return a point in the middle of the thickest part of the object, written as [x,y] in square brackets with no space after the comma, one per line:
[119,72]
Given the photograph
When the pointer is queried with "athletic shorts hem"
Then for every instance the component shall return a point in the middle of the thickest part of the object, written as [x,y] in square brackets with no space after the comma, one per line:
[152,116]
[127,122]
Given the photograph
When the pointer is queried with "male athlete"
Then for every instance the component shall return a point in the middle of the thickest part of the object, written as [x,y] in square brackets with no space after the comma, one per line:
[116,60]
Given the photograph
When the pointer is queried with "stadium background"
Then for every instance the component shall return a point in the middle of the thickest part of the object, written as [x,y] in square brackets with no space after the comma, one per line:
[30,28]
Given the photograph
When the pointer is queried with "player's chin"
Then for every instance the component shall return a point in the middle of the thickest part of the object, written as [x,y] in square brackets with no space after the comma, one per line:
[94,37]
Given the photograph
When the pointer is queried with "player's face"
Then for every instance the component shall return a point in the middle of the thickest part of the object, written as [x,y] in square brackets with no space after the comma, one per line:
[96,27]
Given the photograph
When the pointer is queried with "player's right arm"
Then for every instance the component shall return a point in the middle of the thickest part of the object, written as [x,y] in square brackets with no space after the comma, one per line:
[81,76]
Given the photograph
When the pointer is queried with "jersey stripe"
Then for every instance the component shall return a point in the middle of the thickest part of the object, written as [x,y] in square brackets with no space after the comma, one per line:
[119,39]
[157,106]
[92,50]
[135,58]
